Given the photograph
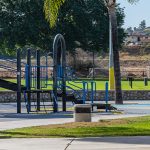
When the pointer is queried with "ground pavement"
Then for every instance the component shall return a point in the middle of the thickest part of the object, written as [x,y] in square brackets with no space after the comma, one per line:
[100,143]
[10,120]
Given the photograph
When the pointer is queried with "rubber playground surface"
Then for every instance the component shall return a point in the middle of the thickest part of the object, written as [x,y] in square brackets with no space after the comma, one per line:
[131,105]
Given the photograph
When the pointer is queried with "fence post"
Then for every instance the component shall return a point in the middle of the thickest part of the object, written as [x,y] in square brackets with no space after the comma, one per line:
[38,79]
[84,93]
[29,78]
[92,93]
[106,95]
[145,81]
[130,82]
[18,81]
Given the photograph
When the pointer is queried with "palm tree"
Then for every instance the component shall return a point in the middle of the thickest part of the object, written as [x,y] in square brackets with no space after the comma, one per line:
[52,7]
[111,6]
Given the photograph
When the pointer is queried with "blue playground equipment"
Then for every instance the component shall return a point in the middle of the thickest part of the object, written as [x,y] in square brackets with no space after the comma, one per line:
[65,84]
[57,80]
[36,82]
[17,87]
[106,95]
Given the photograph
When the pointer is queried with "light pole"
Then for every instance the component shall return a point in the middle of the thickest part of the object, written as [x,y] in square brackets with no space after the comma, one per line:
[111,59]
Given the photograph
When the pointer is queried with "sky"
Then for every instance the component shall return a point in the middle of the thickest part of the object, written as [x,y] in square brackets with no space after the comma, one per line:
[135,13]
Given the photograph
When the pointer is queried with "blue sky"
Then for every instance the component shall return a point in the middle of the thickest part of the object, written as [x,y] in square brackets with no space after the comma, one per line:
[136,13]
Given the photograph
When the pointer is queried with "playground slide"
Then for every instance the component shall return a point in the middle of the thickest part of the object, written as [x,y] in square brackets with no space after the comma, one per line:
[73,99]
[9,85]
[71,96]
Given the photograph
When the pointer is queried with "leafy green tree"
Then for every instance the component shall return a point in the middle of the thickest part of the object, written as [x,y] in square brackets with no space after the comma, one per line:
[84,24]
[142,25]
[23,23]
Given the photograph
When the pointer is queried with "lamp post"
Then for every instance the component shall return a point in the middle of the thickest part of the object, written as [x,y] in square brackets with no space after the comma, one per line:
[111,59]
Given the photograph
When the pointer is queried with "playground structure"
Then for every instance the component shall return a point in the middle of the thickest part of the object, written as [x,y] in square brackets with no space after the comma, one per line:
[53,78]
[60,84]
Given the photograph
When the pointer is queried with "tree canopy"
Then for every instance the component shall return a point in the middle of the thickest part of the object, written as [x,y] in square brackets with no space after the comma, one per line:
[23,23]
[142,25]
[83,23]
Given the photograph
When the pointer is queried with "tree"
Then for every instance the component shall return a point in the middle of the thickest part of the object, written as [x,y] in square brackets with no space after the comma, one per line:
[111,4]
[23,23]
[129,30]
[142,25]
[83,24]
[51,10]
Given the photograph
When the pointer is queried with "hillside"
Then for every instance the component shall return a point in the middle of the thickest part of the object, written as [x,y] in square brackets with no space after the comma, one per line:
[132,61]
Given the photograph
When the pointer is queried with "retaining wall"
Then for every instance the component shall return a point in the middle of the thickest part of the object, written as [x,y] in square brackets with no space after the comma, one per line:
[10,96]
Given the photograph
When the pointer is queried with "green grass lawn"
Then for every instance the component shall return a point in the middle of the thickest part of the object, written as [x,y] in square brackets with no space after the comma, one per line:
[139,126]
[137,85]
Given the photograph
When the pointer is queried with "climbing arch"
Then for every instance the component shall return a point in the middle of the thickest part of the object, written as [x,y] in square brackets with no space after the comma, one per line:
[59,69]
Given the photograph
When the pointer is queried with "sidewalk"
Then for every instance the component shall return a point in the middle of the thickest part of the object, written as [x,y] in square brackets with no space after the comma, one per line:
[99,143]
[12,121]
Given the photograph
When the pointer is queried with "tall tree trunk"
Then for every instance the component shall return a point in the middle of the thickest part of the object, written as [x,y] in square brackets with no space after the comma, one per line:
[113,19]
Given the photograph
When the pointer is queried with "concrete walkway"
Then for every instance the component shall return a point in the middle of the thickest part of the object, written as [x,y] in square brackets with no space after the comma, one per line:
[100,143]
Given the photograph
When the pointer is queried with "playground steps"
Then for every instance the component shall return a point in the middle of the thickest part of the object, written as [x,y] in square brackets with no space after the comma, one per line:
[10,85]
[72,98]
